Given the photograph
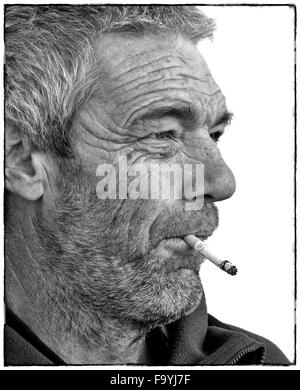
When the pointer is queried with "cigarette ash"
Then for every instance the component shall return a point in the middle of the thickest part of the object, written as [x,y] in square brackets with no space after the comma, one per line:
[232,270]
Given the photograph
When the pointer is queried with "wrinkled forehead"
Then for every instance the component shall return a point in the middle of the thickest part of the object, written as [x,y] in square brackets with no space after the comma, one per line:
[139,71]
[126,49]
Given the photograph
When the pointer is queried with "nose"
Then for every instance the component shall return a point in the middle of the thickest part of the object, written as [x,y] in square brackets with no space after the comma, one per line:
[219,181]
[217,178]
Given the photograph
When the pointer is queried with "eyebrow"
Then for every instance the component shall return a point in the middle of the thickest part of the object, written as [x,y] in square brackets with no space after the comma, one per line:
[186,112]
[224,119]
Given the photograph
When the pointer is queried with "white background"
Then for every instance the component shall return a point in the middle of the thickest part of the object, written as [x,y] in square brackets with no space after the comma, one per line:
[251,58]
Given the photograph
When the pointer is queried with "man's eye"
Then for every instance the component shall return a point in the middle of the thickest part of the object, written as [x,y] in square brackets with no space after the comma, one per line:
[216,136]
[164,135]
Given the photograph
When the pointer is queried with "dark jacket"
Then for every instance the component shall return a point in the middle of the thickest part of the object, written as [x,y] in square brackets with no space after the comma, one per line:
[184,345]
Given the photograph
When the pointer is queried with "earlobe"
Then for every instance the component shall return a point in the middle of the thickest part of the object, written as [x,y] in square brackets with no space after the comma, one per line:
[29,187]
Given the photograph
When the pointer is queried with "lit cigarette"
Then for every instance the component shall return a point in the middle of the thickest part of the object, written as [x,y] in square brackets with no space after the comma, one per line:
[200,246]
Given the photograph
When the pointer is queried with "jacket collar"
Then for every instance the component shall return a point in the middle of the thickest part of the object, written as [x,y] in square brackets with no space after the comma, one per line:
[200,339]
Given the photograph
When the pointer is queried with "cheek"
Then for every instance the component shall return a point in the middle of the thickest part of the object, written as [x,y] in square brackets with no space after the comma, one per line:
[132,224]
[117,228]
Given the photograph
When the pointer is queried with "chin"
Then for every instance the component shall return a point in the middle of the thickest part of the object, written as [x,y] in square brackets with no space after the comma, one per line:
[148,291]
[168,299]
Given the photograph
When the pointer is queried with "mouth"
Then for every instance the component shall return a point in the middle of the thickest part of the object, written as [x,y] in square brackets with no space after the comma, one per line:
[176,225]
[179,241]
[181,255]
[178,246]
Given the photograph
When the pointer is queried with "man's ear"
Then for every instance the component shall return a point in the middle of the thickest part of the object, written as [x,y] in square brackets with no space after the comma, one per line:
[23,170]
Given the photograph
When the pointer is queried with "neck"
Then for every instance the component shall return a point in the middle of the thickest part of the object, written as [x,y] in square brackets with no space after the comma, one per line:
[49,306]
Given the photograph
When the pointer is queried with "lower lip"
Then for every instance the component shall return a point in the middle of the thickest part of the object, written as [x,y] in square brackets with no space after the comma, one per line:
[176,242]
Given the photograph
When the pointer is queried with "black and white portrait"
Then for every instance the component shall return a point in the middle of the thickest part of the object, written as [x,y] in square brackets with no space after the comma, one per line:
[149,185]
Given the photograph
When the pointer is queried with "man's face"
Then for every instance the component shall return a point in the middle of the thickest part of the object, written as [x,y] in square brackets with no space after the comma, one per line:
[156,103]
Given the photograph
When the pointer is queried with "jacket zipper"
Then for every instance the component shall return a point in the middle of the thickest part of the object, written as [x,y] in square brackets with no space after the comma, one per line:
[245,351]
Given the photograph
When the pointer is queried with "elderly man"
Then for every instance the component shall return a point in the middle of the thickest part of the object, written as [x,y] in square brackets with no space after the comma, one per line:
[92,278]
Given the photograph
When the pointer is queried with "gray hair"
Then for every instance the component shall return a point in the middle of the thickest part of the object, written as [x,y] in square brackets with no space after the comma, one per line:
[50,59]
